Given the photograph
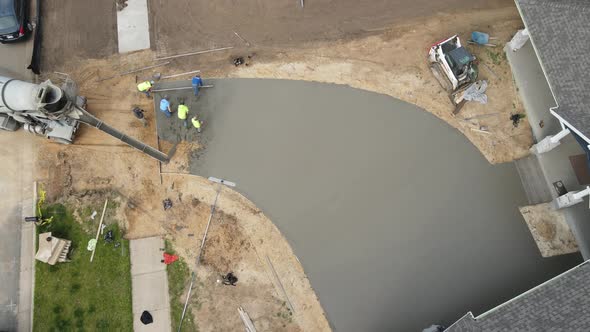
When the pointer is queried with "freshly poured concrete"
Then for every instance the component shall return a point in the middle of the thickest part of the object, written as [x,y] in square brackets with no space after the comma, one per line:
[397,219]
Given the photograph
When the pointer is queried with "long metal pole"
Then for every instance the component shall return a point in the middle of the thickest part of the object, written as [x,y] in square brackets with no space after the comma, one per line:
[176,75]
[188,295]
[194,53]
[182,88]
[144,68]
[134,71]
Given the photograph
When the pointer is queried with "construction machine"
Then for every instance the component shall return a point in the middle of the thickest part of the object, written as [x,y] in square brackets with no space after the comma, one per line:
[54,112]
[452,64]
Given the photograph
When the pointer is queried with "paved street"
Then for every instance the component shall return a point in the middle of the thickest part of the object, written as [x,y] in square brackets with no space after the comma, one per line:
[15,177]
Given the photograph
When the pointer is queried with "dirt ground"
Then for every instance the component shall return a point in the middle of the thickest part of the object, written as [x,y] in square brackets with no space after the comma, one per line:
[81,29]
[391,61]
[549,229]
[209,24]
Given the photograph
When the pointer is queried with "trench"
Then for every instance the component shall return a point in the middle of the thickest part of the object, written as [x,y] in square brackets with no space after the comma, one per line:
[397,219]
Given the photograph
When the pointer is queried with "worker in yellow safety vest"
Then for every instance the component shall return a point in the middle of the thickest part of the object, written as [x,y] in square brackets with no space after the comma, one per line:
[197,123]
[183,112]
[145,87]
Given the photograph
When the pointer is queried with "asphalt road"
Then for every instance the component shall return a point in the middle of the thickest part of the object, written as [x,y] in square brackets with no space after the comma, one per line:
[14,174]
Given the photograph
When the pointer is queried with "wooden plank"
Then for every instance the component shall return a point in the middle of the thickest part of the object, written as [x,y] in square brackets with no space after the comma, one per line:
[98,230]
[246,319]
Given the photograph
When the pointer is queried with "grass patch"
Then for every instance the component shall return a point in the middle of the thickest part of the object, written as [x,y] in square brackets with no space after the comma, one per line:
[178,280]
[496,57]
[79,295]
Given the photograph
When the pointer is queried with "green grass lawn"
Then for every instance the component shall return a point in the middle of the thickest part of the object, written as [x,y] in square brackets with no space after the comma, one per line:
[79,295]
[178,279]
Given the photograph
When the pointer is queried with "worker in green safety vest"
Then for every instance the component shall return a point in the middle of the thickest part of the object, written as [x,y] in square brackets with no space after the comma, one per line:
[197,123]
[145,87]
[183,112]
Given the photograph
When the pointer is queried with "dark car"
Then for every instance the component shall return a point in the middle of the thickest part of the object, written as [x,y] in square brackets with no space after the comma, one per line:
[13,20]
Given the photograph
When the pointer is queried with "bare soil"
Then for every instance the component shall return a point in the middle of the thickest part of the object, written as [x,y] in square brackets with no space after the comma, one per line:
[210,24]
[549,229]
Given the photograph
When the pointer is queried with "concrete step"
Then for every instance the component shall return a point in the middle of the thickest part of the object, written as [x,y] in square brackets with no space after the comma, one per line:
[533,180]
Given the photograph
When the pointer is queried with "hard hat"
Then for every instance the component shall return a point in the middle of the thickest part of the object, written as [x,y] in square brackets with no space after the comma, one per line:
[152,82]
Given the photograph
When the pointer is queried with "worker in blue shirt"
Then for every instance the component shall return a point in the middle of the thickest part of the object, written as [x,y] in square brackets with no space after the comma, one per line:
[197,83]
[165,106]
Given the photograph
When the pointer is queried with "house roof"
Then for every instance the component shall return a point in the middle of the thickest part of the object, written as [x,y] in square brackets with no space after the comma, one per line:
[560,304]
[559,31]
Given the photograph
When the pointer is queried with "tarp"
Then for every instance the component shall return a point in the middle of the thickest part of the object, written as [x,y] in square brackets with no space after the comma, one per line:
[476,92]
[146,318]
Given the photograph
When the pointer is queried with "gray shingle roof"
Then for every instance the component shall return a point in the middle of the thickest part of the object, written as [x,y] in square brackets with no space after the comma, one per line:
[560,32]
[561,304]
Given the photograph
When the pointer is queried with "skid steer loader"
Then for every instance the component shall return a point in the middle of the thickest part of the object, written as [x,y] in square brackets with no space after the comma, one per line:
[452,64]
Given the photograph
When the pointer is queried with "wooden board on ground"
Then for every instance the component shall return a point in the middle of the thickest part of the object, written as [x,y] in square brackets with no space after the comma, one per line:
[549,229]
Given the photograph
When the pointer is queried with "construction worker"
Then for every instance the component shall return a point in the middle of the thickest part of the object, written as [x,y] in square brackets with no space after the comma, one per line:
[183,113]
[138,112]
[197,83]
[165,106]
[197,123]
[145,87]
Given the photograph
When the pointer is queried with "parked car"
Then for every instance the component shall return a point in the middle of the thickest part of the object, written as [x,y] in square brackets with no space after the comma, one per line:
[13,20]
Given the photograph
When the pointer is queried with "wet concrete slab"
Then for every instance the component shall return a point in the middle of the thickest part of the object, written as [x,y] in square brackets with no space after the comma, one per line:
[397,219]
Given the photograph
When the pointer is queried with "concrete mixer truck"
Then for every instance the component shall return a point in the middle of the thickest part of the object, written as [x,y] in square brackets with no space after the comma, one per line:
[54,112]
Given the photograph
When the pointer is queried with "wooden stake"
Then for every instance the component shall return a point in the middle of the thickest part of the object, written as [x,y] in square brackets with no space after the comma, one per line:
[98,230]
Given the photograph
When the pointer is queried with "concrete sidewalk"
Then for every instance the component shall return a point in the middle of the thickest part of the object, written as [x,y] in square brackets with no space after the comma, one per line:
[133,27]
[149,284]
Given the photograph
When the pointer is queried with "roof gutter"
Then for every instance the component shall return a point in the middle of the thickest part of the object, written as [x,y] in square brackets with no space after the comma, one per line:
[564,124]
